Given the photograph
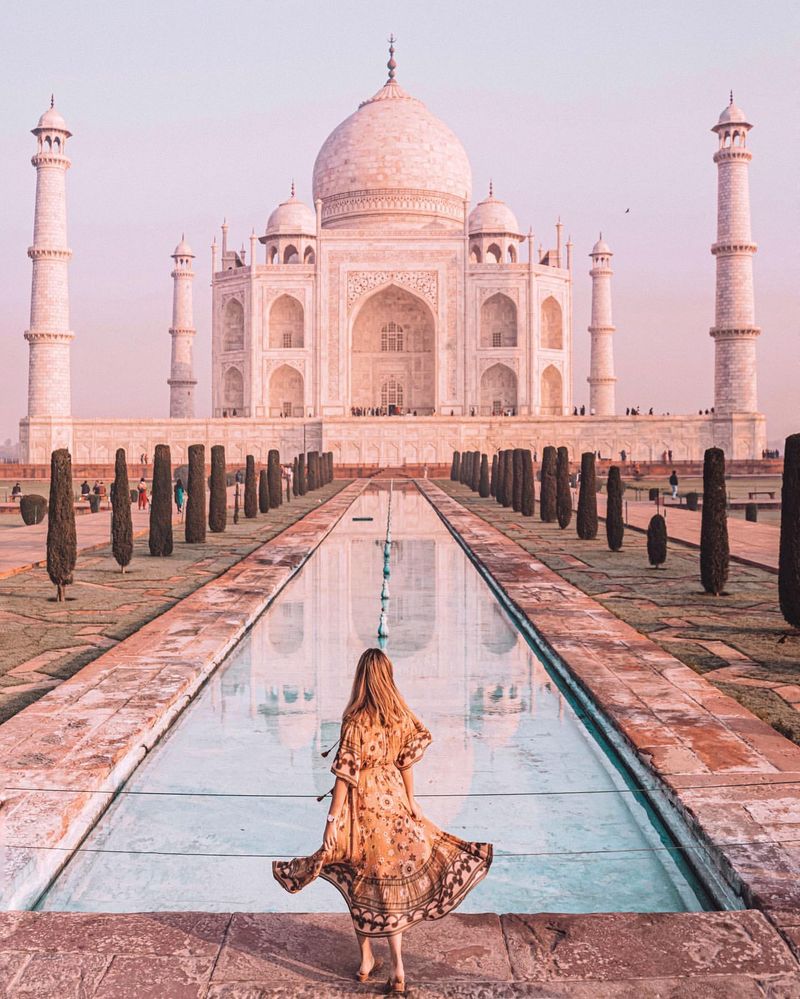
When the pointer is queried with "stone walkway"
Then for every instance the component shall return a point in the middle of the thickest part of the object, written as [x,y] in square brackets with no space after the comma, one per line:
[44,642]
[734,641]
[266,956]
[750,544]
[62,758]
[24,547]
[735,780]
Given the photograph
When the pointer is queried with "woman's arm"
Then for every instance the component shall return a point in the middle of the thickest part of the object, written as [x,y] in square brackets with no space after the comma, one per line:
[408,782]
[337,800]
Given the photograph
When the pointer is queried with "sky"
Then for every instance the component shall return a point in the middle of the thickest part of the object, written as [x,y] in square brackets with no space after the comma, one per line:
[183,113]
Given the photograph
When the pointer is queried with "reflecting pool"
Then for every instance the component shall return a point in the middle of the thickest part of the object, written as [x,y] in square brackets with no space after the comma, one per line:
[233,785]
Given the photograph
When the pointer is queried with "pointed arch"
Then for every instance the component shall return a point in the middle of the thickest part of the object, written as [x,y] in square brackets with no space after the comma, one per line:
[233,389]
[286,392]
[494,255]
[552,395]
[552,324]
[475,254]
[286,324]
[512,253]
[309,256]
[498,322]
[498,391]
[233,325]
[412,362]
[290,255]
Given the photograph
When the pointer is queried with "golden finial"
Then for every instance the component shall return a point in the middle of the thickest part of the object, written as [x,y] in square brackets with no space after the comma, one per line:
[391,64]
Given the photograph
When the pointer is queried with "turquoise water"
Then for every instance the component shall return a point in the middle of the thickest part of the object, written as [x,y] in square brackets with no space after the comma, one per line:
[234,782]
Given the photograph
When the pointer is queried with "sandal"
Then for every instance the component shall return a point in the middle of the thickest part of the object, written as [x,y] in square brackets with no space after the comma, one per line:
[395,988]
[364,976]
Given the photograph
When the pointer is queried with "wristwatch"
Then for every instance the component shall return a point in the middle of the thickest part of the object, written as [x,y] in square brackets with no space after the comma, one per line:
[331,818]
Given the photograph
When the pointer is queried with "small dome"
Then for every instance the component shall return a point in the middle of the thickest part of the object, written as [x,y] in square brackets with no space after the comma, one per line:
[601,246]
[732,115]
[51,119]
[292,218]
[492,215]
[182,249]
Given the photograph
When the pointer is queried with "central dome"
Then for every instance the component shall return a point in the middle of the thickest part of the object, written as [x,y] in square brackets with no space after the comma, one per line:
[392,162]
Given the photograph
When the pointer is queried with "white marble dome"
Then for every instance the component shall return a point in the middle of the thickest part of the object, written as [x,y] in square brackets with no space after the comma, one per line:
[492,216]
[601,246]
[183,249]
[392,162]
[51,119]
[292,217]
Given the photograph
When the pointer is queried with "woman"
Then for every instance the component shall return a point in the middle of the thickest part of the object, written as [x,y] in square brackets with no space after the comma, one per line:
[180,492]
[393,866]
[142,494]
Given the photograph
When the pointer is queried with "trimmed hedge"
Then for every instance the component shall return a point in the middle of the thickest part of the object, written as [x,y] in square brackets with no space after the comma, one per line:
[194,528]
[657,541]
[528,487]
[121,520]
[250,489]
[32,508]
[615,526]
[587,499]
[714,551]
[62,539]
[789,557]
[218,502]
[563,491]
[160,538]
[547,493]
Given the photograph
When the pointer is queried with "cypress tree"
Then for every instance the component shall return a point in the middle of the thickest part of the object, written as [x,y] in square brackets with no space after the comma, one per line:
[236,503]
[160,539]
[587,499]
[263,491]
[563,492]
[516,498]
[528,493]
[475,483]
[274,478]
[615,528]
[296,476]
[493,477]
[465,459]
[195,526]
[250,489]
[547,494]
[302,486]
[483,485]
[789,557]
[455,470]
[62,540]
[218,502]
[657,541]
[121,523]
[498,485]
[330,464]
[714,524]
[508,478]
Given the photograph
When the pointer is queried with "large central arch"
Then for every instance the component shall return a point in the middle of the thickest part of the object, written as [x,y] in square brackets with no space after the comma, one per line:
[394,338]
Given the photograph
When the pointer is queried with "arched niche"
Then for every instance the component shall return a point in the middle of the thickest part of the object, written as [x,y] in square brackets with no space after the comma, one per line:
[233,389]
[552,391]
[233,325]
[286,392]
[494,254]
[498,322]
[552,324]
[290,255]
[389,319]
[498,390]
[286,324]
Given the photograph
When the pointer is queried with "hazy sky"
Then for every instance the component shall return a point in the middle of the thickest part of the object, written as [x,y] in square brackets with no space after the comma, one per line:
[185,112]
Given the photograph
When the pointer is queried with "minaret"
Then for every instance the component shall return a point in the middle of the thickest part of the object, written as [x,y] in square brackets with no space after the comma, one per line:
[182,381]
[49,335]
[601,367]
[734,329]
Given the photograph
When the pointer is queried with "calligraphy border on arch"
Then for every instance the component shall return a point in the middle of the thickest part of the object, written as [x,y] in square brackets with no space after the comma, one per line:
[424,283]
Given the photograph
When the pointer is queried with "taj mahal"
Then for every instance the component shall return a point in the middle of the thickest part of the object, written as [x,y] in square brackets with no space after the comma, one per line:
[395,320]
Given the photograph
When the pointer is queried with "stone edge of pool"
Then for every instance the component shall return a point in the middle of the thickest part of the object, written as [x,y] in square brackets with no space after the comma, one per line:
[94,728]
[259,955]
[733,778]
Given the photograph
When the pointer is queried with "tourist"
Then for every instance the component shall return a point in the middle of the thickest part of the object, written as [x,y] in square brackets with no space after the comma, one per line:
[179,492]
[239,477]
[402,868]
[623,456]
[16,492]
[102,490]
[673,481]
[142,490]
[96,487]
[669,456]
[85,490]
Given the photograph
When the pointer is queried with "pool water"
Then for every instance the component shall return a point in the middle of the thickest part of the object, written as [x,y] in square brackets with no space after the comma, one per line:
[234,782]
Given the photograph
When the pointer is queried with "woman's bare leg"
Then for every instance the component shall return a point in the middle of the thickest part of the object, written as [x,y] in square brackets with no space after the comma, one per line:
[396,953]
[367,958]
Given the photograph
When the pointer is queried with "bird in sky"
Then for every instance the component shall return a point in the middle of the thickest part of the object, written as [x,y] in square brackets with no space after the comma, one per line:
[627,211]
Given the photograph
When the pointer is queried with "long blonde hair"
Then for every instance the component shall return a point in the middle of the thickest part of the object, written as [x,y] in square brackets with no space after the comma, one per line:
[375,694]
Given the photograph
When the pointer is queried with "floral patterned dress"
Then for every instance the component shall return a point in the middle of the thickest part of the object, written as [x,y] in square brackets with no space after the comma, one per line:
[392,869]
